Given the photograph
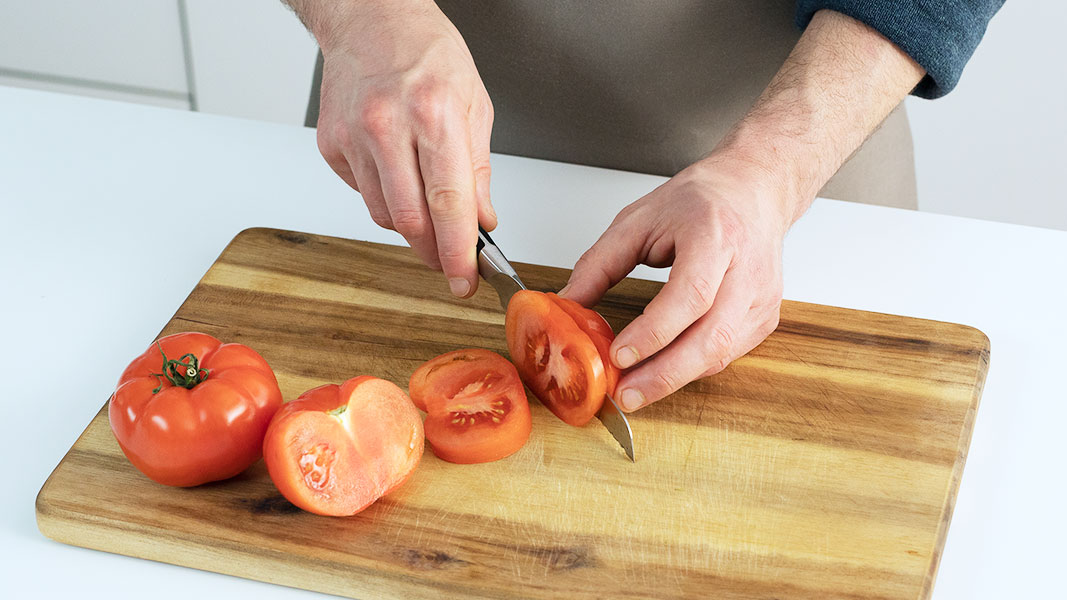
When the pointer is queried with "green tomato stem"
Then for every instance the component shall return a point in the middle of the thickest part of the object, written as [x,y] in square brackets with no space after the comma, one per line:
[184,372]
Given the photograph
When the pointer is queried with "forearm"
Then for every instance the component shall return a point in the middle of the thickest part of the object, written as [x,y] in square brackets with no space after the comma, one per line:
[839,83]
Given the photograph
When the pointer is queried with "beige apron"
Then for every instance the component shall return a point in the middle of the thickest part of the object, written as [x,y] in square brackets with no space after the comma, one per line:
[647,86]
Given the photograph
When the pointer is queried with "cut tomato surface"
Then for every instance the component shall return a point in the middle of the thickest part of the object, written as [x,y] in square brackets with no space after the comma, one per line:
[555,357]
[475,403]
[336,449]
[191,409]
[598,330]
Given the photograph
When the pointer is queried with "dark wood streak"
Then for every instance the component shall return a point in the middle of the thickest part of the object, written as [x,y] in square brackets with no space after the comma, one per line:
[292,237]
[273,504]
[430,559]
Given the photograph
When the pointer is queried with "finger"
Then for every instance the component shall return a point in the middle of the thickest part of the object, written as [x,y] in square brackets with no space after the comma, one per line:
[339,164]
[606,263]
[448,178]
[707,345]
[367,175]
[688,295]
[481,131]
[401,185]
[768,322]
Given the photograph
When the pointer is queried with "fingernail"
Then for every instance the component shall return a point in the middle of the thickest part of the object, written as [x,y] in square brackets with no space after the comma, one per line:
[460,286]
[492,211]
[626,356]
[563,292]
[632,399]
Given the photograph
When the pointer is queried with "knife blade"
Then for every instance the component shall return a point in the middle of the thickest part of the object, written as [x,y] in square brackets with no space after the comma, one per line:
[495,268]
[615,421]
[498,272]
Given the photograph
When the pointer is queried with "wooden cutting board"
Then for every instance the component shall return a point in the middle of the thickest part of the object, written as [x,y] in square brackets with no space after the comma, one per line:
[822,465]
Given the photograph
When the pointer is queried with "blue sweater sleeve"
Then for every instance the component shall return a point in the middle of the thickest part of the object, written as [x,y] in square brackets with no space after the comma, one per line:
[940,35]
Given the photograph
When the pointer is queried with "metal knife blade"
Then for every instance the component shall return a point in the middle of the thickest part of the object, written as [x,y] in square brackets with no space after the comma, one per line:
[495,269]
[615,422]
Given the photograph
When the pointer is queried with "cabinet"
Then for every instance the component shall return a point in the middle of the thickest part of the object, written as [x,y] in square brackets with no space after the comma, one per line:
[250,58]
[123,49]
[245,58]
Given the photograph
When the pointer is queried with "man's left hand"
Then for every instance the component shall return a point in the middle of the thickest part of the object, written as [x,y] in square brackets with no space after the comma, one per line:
[720,223]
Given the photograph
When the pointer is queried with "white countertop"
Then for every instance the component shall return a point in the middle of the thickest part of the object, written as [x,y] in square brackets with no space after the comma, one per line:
[111,212]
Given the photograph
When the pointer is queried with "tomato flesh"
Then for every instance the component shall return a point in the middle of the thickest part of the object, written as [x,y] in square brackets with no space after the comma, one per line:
[337,449]
[598,330]
[475,403]
[555,357]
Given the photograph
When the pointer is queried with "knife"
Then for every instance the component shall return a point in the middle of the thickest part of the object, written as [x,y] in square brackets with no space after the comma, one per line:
[498,272]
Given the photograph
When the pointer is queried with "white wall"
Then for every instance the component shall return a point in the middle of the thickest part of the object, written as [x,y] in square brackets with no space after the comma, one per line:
[993,149]
[996,147]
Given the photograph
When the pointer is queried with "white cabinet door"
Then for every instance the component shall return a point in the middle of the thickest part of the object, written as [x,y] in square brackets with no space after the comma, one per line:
[128,46]
[251,58]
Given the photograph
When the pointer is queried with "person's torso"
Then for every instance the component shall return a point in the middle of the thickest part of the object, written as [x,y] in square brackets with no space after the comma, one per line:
[648,86]
[627,84]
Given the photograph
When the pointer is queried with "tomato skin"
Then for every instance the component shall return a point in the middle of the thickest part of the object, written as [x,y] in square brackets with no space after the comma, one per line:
[598,330]
[186,437]
[337,448]
[555,358]
[476,406]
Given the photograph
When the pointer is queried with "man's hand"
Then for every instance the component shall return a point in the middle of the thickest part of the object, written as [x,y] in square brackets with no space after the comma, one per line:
[721,222]
[405,120]
[721,226]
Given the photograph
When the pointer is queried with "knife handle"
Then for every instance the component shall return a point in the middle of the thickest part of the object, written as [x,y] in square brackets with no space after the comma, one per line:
[484,239]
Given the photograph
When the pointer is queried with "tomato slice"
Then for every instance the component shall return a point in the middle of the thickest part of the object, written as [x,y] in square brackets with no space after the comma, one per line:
[555,358]
[598,330]
[336,449]
[476,406]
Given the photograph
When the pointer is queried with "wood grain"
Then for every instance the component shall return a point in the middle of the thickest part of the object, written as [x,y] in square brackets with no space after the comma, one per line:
[822,465]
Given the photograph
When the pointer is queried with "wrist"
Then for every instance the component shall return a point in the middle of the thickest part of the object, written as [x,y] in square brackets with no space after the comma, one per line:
[763,170]
[345,26]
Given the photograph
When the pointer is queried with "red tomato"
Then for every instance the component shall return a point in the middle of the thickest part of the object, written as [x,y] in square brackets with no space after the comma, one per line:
[598,330]
[556,359]
[198,420]
[476,406]
[336,449]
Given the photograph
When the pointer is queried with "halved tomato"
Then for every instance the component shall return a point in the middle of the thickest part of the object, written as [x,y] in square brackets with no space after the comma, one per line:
[598,330]
[475,403]
[336,449]
[555,358]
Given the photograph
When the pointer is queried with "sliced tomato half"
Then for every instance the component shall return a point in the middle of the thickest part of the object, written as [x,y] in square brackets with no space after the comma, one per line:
[475,403]
[336,449]
[555,358]
[598,330]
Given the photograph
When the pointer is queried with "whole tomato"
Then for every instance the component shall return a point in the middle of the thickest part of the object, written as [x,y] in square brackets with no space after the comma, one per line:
[192,410]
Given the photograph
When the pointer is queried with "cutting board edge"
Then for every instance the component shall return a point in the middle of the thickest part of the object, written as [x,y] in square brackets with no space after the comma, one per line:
[979,337]
[957,470]
[82,529]
[43,506]
[97,536]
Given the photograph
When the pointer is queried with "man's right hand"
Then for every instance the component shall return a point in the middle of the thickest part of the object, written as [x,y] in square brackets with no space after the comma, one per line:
[405,120]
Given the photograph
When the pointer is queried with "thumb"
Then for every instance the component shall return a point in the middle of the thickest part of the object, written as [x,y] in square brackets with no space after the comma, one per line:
[608,262]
